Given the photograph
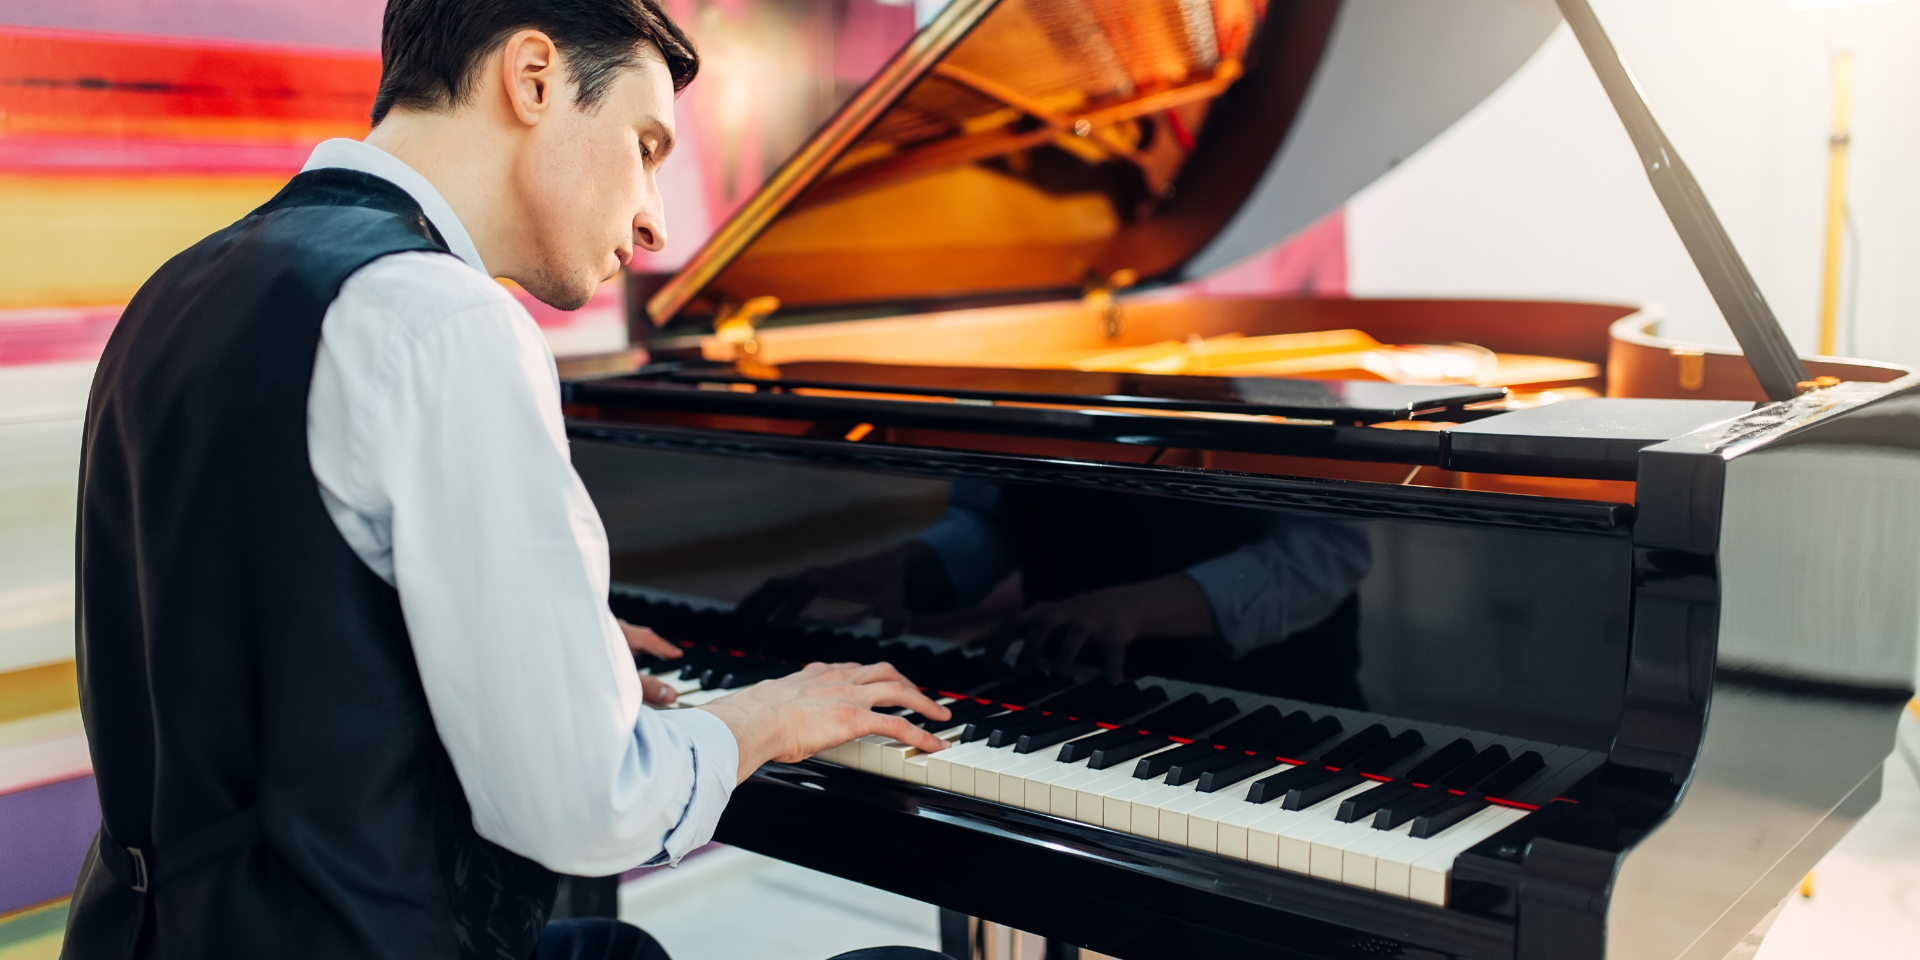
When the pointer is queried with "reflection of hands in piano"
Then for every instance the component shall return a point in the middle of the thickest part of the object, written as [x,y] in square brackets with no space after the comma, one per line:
[642,640]
[892,585]
[824,705]
[1111,619]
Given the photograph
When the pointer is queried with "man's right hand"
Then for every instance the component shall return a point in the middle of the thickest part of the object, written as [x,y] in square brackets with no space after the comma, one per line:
[822,706]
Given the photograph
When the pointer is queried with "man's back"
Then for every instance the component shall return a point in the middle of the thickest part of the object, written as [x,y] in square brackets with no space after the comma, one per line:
[259,730]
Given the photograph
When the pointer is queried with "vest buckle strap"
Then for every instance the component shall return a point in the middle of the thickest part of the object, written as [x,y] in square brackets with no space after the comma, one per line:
[142,871]
[138,862]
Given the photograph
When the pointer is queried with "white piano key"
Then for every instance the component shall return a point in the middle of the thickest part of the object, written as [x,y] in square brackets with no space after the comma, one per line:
[1026,785]
[1117,802]
[1203,824]
[914,769]
[1082,796]
[1295,842]
[885,756]
[1327,856]
[1393,867]
[1429,874]
[952,769]
[1231,838]
[1039,783]
[986,773]
[1144,818]
[1358,859]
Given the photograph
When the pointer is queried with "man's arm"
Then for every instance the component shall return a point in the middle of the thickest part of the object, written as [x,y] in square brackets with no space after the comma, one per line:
[501,564]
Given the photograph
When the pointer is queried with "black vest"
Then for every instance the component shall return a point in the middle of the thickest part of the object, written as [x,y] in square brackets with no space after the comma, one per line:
[271,783]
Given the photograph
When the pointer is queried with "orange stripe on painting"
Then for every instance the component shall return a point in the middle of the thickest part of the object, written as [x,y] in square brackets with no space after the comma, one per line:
[72,74]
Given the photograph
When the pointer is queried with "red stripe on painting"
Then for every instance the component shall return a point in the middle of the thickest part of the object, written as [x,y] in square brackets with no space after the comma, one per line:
[55,335]
[69,74]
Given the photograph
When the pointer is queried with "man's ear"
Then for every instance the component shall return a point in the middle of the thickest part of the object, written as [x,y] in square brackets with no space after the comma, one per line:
[530,69]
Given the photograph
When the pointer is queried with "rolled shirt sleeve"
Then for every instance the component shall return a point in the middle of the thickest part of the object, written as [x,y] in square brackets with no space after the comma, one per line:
[1292,578]
[451,477]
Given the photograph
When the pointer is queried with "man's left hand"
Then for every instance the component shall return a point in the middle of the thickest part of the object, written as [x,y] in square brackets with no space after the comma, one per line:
[642,640]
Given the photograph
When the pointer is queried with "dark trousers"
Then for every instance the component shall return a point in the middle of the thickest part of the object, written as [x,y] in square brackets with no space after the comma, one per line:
[599,938]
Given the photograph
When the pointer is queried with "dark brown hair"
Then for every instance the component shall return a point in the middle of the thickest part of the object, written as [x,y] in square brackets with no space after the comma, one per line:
[430,49]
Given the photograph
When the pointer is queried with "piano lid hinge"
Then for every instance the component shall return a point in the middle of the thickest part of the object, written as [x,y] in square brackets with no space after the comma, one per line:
[1099,297]
[737,324]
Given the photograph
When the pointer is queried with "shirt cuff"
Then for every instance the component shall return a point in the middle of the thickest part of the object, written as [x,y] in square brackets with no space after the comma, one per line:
[716,763]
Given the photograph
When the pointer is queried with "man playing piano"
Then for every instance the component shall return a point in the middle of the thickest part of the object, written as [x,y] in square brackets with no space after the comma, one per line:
[347,668]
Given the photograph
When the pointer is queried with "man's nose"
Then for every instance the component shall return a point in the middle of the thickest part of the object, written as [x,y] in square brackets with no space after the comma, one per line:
[650,228]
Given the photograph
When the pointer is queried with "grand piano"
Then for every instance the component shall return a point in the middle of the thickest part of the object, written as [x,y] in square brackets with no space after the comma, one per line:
[1622,626]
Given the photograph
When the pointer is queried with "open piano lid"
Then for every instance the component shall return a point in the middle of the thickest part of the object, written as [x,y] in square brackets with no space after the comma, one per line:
[1042,149]
[1034,149]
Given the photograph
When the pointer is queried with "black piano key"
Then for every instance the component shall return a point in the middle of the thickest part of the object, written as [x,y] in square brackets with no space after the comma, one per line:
[1002,724]
[1354,747]
[1322,788]
[1159,763]
[1504,780]
[1119,751]
[1299,744]
[1223,777]
[1082,749]
[1276,786]
[1130,738]
[1400,810]
[1236,740]
[1082,703]
[1187,771]
[1443,761]
[1475,770]
[1439,818]
[1041,739]
[1363,805]
[1377,760]
[1010,733]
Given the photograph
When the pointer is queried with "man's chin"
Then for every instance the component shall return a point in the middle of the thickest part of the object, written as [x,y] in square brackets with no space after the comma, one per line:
[558,294]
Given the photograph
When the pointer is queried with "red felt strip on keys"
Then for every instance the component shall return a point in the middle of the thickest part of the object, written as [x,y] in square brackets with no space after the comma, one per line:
[1517,805]
[1375,776]
[1181,740]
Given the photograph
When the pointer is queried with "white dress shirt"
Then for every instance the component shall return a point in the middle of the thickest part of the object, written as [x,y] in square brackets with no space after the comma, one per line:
[434,429]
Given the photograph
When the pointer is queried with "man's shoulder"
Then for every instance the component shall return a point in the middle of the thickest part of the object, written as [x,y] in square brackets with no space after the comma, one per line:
[423,286]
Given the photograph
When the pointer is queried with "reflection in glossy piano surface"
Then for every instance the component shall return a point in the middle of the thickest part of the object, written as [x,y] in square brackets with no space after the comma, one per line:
[1271,627]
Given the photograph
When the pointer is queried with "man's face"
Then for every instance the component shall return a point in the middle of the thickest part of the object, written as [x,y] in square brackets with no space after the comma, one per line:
[587,182]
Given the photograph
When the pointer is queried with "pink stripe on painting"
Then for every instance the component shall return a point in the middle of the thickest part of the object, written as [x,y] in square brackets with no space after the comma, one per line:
[302,25]
[55,334]
[118,156]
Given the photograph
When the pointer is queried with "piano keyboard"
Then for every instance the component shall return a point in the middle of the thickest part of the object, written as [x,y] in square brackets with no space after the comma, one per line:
[1362,799]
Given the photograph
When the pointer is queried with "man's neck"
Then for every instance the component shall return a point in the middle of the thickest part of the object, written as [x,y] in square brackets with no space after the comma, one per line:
[466,166]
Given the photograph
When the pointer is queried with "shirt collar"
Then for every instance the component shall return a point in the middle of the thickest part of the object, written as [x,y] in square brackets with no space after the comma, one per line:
[354,155]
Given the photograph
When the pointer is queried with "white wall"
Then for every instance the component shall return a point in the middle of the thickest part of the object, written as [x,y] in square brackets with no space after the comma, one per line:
[1538,192]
